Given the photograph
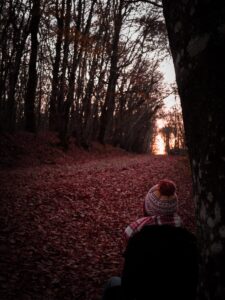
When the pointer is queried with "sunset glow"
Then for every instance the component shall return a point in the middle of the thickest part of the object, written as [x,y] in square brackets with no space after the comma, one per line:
[160,123]
[159,147]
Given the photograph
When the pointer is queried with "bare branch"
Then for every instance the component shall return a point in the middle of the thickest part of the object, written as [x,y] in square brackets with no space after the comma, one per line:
[146,1]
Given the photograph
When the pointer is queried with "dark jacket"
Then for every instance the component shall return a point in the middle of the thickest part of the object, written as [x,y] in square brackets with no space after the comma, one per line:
[161,262]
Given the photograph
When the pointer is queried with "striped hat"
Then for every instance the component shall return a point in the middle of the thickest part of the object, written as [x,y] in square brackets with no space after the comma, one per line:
[161,199]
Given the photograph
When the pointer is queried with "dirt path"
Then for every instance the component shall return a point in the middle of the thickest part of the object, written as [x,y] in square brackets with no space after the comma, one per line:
[63,224]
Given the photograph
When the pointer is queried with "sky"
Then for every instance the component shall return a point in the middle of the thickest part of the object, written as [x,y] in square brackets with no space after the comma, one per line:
[167,69]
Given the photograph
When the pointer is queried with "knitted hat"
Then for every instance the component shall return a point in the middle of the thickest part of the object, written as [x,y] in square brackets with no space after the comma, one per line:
[161,199]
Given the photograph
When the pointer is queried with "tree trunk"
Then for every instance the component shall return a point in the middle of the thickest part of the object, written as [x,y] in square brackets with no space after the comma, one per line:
[196,30]
[77,55]
[65,113]
[55,71]
[30,122]
[13,78]
[109,105]
[62,84]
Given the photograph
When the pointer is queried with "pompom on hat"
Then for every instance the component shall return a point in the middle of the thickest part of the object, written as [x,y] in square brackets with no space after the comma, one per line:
[161,199]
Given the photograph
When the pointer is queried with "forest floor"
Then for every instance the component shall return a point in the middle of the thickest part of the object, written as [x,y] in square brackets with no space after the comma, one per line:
[64,214]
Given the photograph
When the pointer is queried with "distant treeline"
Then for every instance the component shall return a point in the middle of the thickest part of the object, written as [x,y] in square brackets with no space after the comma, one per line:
[87,68]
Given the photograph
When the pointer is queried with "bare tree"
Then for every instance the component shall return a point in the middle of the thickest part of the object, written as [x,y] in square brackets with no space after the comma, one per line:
[15,20]
[60,10]
[75,67]
[77,54]
[30,117]
[119,10]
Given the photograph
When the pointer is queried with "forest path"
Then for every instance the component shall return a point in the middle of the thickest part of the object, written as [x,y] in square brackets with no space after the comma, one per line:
[63,224]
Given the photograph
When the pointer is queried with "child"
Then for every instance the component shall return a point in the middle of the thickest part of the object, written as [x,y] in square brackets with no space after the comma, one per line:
[160,207]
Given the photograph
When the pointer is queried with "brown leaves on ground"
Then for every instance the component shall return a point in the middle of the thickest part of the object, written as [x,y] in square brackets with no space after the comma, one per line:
[63,224]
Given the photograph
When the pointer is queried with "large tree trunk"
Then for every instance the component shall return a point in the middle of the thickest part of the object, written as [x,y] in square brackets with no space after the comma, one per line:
[30,122]
[196,30]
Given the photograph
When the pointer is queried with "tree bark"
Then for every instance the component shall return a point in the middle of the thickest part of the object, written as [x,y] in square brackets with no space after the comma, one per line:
[77,55]
[109,104]
[196,31]
[13,79]
[30,119]
[65,113]
[62,84]
[56,65]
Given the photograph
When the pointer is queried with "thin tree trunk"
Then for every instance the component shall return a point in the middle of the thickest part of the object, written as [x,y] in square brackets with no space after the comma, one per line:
[56,65]
[30,118]
[87,110]
[62,86]
[76,59]
[109,105]
[64,122]
[13,78]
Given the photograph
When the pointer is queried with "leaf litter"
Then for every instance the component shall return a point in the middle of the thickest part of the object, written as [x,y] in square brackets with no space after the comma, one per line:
[63,224]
